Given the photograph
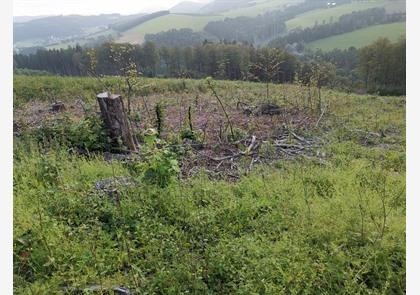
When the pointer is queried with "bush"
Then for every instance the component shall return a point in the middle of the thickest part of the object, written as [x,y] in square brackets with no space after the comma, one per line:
[159,165]
[89,134]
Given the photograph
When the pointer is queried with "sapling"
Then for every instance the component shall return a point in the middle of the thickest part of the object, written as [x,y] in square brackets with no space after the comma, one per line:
[267,67]
[122,56]
[190,120]
[211,86]
[159,118]
[321,75]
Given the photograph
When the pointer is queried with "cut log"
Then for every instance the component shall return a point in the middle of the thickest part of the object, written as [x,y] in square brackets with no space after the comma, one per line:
[115,118]
[268,109]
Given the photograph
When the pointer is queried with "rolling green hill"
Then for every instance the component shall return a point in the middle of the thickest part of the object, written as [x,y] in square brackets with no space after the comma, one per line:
[360,38]
[165,23]
[260,7]
[310,18]
[197,22]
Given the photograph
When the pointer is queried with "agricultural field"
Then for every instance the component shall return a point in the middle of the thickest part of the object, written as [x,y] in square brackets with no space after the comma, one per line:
[84,41]
[165,23]
[197,22]
[244,189]
[309,19]
[260,7]
[360,38]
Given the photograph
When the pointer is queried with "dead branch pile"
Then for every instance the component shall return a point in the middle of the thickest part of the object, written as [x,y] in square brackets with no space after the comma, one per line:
[232,160]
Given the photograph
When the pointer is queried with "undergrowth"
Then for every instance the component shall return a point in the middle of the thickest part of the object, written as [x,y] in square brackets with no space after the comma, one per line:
[296,227]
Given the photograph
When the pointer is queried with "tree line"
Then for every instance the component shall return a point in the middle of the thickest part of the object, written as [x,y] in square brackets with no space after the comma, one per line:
[179,38]
[377,68]
[243,29]
[220,60]
[346,23]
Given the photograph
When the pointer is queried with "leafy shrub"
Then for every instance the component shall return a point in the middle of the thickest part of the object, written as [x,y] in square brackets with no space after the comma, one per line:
[88,134]
[48,170]
[187,133]
[159,165]
[321,186]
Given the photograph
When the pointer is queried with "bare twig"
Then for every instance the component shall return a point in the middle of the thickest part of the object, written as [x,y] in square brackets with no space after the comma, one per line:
[223,107]
[320,117]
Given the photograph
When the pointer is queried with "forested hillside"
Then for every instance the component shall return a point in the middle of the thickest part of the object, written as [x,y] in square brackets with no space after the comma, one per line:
[282,22]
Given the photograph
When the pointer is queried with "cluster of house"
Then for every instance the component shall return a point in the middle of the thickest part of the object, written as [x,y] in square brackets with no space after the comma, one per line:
[331,4]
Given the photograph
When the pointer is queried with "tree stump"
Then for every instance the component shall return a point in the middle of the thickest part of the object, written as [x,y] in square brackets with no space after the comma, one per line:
[115,118]
[58,107]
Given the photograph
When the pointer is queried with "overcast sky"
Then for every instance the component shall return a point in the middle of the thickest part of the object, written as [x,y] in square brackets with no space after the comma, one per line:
[88,7]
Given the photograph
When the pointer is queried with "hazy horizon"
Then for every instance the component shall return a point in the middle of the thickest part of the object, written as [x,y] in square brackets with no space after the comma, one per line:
[91,7]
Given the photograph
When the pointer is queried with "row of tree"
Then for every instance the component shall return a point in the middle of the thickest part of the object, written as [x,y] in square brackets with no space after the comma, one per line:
[179,38]
[346,23]
[243,29]
[379,67]
[223,61]
[383,66]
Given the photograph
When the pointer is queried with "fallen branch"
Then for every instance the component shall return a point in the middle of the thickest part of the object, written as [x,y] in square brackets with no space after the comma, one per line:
[288,146]
[366,132]
[320,117]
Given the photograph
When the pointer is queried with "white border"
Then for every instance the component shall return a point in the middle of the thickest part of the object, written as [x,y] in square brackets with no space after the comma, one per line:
[6,148]
[413,145]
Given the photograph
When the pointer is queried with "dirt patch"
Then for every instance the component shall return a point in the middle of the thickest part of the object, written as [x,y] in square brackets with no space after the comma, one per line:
[263,135]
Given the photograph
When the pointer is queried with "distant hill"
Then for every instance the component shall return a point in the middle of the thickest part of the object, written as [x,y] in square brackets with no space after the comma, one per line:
[187,7]
[62,26]
[166,23]
[135,21]
[218,6]
[63,31]
[199,20]
[319,16]
[44,31]
[360,38]
[27,18]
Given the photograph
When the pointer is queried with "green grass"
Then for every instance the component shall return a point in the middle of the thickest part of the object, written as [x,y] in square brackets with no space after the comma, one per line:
[84,41]
[360,38]
[165,23]
[310,18]
[260,7]
[296,227]
[196,23]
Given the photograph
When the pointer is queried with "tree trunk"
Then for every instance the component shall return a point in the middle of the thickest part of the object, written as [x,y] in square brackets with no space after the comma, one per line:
[115,118]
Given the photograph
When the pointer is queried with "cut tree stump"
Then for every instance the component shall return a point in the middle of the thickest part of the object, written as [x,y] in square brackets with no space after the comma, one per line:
[58,107]
[115,118]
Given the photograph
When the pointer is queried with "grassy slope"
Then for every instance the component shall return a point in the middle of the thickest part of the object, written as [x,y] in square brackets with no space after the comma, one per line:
[260,8]
[177,21]
[85,40]
[294,228]
[319,15]
[360,38]
[165,23]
